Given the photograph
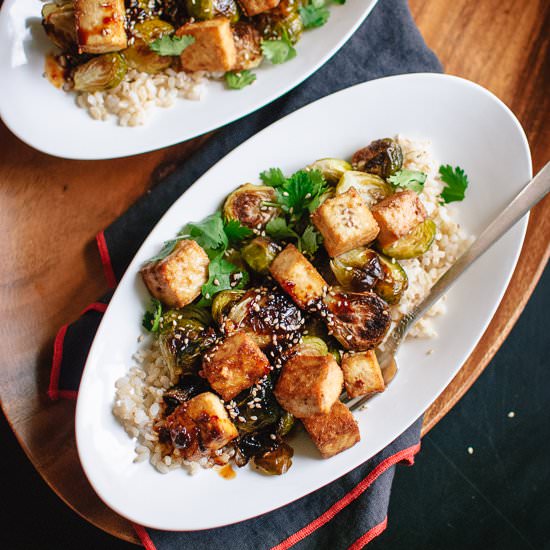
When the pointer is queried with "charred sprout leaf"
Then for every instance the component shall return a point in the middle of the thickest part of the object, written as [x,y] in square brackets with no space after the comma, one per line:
[285,424]
[259,253]
[332,169]
[252,205]
[188,386]
[280,50]
[309,241]
[382,157]
[100,73]
[394,281]
[408,179]
[456,182]
[222,275]
[222,303]
[372,188]
[254,444]
[273,177]
[59,23]
[359,269]
[171,45]
[413,244]
[240,79]
[279,229]
[276,462]
[236,232]
[151,318]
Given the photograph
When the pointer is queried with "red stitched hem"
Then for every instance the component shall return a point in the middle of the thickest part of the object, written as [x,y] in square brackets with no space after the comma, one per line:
[406,455]
[106,259]
[144,537]
[363,540]
[54,393]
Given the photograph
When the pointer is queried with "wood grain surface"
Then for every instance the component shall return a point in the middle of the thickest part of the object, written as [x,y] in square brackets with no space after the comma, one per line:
[50,210]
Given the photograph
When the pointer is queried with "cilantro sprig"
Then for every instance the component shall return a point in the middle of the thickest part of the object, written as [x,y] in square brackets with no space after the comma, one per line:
[151,318]
[307,243]
[222,275]
[456,183]
[408,179]
[240,79]
[171,45]
[316,13]
[279,50]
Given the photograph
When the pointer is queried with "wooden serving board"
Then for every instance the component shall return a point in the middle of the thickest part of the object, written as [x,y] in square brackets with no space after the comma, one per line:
[50,210]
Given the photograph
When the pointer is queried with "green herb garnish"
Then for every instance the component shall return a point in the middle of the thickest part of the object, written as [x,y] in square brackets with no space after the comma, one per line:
[151,318]
[314,14]
[171,45]
[278,228]
[240,79]
[408,179]
[236,232]
[273,177]
[221,275]
[456,182]
[278,51]
[310,240]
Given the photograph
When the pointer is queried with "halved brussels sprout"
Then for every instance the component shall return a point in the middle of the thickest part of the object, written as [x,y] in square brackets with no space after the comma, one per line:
[358,320]
[414,244]
[100,73]
[332,169]
[382,157]
[59,23]
[259,253]
[247,204]
[311,345]
[257,418]
[139,55]
[222,303]
[280,21]
[276,462]
[371,188]
[208,9]
[359,269]
[394,280]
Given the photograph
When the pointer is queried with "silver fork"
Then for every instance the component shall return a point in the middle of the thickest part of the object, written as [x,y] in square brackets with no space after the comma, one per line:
[530,195]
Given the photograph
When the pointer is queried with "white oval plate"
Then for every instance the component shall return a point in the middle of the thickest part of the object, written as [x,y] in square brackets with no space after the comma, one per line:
[49,120]
[468,126]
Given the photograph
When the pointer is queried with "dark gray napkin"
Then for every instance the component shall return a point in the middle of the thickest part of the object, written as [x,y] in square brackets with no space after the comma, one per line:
[352,510]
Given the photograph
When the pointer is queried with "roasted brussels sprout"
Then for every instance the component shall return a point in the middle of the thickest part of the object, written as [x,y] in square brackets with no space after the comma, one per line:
[413,244]
[382,157]
[358,320]
[208,9]
[59,23]
[371,188]
[259,253]
[280,21]
[100,73]
[267,315]
[188,386]
[248,45]
[276,462]
[394,280]
[247,204]
[332,169]
[183,339]
[359,269]
[254,444]
[222,303]
[285,424]
[311,345]
[139,55]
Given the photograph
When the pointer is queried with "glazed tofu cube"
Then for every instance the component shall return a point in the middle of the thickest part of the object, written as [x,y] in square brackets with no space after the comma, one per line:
[253,7]
[100,25]
[213,49]
[208,412]
[235,365]
[397,215]
[345,222]
[334,432]
[298,277]
[177,280]
[309,385]
[362,374]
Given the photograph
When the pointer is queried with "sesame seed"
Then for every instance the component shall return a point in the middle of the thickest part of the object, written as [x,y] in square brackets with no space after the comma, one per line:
[349,337]
[273,436]
[511,414]
[470,450]
[254,418]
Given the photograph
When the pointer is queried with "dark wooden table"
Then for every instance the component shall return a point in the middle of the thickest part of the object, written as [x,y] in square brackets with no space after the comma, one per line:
[50,210]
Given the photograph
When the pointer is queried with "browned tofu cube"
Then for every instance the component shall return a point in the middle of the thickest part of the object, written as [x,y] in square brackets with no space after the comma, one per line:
[334,432]
[397,215]
[362,373]
[253,7]
[208,412]
[298,277]
[309,385]
[213,49]
[345,222]
[247,43]
[235,365]
[100,25]
[177,280]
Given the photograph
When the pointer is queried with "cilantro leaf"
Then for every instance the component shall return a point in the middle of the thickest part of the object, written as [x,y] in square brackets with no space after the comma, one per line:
[279,229]
[151,318]
[302,192]
[310,240]
[239,79]
[314,15]
[278,51]
[208,233]
[408,179]
[236,232]
[456,182]
[273,177]
[171,45]
[166,250]
[222,275]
